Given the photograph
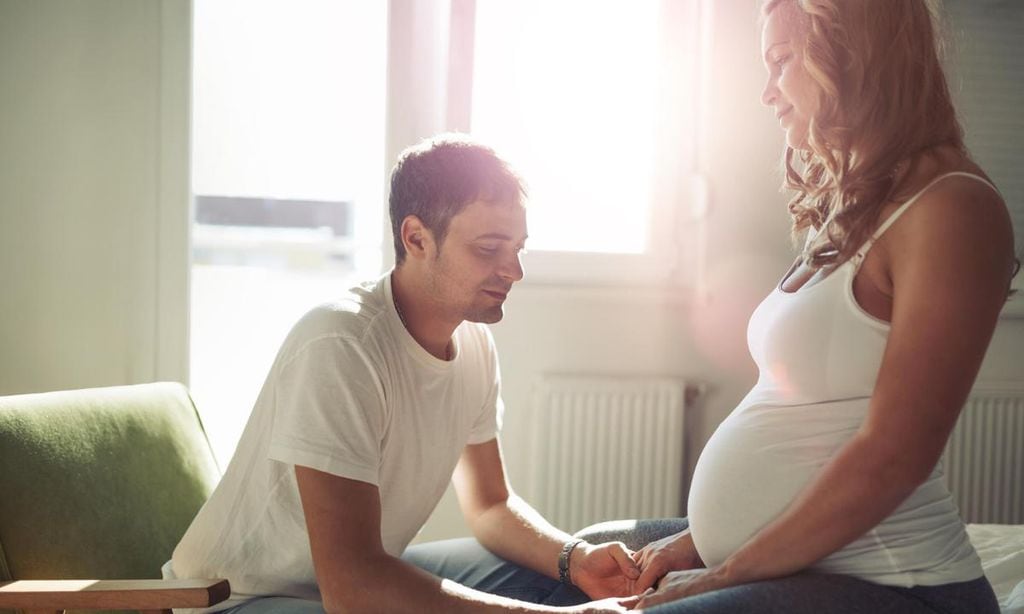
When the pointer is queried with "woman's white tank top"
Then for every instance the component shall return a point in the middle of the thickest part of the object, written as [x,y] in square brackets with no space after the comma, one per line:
[818,353]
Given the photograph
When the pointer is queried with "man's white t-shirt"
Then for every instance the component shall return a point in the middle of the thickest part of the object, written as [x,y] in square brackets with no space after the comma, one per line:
[350,393]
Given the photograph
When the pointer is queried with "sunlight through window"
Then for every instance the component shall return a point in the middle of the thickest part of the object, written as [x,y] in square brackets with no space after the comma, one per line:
[567,91]
[288,148]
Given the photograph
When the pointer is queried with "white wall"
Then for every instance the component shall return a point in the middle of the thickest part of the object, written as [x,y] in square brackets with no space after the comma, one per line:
[93,192]
[94,207]
[651,331]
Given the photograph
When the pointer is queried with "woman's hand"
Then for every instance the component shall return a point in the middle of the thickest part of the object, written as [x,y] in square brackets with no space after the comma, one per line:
[603,570]
[679,584]
[605,606]
[672,553]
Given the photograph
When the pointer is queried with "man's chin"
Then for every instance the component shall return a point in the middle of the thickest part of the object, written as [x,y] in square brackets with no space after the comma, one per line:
[490,315]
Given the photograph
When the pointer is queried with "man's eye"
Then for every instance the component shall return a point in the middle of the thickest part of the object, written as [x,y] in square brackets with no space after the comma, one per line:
[487,251]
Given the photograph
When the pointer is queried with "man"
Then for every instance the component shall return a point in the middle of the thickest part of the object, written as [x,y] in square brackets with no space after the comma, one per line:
[373,405]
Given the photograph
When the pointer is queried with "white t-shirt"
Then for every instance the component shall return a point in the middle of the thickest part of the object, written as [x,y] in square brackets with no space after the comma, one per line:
[351,393]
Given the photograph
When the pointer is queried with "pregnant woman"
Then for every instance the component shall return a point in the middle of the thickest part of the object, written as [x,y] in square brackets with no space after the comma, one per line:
[821,492]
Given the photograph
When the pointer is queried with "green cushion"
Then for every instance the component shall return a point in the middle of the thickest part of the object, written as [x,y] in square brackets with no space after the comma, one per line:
[99,483]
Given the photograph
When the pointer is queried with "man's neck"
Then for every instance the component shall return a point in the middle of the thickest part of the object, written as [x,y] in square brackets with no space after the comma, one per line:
[419,313]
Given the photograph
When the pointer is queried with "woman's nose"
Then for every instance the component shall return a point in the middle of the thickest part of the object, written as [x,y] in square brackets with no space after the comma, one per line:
[769,93]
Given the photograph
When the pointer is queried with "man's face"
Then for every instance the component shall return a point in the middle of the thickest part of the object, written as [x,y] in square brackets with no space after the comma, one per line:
[478,261]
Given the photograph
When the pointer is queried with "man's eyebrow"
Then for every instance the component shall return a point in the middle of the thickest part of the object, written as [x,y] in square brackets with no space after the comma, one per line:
[497,235]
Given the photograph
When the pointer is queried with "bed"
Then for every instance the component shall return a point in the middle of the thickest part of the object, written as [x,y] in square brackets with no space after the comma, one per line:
[1001,548]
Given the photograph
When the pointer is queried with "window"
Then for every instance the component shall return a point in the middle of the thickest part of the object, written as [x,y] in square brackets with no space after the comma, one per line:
[288,150]
[594,103]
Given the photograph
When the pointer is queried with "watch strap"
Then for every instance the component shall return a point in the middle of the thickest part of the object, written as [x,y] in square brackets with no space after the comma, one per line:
[563,561]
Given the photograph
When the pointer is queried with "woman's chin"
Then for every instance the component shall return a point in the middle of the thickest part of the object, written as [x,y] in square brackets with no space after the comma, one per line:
[796,140]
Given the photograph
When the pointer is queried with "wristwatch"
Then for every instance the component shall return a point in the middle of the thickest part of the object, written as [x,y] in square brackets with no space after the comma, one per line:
[563,561]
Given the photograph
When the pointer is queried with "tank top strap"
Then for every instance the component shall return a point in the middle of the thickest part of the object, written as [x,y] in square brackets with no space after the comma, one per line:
[859,256]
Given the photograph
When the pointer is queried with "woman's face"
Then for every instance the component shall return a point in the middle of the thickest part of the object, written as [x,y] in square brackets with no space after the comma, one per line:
[790,91]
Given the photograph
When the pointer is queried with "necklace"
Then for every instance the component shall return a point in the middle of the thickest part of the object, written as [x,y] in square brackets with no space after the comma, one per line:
[401,316]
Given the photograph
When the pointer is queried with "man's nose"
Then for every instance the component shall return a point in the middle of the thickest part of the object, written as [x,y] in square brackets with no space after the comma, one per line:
[512,269]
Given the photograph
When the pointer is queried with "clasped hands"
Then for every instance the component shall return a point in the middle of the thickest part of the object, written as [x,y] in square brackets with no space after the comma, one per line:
[664,570]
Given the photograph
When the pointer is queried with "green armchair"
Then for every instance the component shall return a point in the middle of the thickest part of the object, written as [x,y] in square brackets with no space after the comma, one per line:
[100,484]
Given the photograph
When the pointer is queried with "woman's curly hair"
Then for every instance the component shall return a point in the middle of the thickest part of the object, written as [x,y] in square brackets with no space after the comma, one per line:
[883,98]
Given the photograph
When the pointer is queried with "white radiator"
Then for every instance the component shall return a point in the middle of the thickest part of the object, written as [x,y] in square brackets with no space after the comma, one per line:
[984,461]
[608,448]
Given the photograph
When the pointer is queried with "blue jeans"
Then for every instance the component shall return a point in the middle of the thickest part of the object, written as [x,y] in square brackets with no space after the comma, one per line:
[803,593]
[465,561]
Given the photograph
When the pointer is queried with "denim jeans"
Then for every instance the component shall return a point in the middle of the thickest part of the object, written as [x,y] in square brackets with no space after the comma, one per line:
[467,562]
[804,593]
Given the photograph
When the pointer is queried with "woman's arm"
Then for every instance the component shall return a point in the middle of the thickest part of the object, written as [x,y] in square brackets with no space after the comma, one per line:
[949,259]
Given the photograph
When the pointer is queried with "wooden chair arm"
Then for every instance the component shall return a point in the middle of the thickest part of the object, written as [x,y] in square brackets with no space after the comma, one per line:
[143,595]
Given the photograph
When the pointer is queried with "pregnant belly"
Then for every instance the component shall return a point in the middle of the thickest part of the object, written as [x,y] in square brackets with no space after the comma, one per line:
[756,463]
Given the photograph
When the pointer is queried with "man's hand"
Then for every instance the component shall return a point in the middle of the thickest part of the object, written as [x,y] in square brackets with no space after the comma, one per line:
[672,553]
[679,584]
[604,570]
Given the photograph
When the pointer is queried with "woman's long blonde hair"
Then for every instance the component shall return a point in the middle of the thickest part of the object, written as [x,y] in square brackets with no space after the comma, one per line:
[883,99]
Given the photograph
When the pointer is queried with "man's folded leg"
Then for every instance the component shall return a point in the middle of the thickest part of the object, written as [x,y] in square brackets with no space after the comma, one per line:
[634,533]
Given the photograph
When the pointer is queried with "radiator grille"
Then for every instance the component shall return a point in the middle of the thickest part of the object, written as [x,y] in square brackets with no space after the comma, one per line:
[608,448]
[613,447]
[984,460]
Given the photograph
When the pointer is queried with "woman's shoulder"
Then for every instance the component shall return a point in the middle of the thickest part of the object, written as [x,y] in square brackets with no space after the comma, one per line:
[953,222]
[947,192]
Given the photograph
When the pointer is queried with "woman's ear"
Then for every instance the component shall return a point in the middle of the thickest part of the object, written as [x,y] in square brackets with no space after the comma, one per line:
[416,237]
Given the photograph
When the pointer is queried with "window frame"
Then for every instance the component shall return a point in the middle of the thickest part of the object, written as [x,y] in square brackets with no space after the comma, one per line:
[445,39]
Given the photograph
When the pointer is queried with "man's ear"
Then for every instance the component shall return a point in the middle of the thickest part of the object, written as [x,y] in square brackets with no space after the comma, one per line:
[416,237]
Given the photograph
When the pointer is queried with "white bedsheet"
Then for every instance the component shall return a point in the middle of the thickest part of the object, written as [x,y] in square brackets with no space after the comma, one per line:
[1001,548]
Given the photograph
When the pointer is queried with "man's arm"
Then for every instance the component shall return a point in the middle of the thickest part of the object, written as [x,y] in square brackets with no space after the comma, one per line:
[354,572]
[507,526]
